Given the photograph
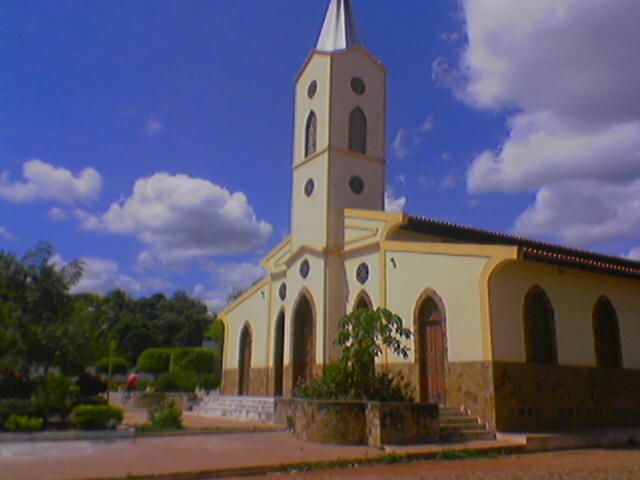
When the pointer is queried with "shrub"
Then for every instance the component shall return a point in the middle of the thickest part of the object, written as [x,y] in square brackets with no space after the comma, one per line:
[96,417]
[15,406]
[176,381]
[208,382]
[335,384]
[155,360]
[13,384]
[198,360]
[391,387]
[119,366]
[21,423]
[166,416]
[215,332]
[56,395]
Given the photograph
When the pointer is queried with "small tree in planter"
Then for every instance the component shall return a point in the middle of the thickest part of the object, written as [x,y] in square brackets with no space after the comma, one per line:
[363,336]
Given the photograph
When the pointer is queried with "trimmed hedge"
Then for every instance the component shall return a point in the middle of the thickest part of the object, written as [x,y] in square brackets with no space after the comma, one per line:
[163,360]
[118,367]
[208,382]
[96,417]
[15,406]
[176,381]
[21,423]
[155,360]
[199,360]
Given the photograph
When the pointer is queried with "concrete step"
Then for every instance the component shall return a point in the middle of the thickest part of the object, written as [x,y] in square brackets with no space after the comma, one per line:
[459,422]
[237,407]
[457,425]
[466,435]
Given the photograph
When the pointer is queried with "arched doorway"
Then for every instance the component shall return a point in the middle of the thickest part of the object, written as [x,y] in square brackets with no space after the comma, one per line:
[303,342]
[606,335]
[278,355]
[539,328]
[244,360]
[431,349]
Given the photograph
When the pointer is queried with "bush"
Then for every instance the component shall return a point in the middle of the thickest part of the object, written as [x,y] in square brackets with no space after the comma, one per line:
[13,384]
[208,382]
[15,406]
[21,423]
[391,387]
[119,366]
[166,416]
[56,395]
[96,417]
[335,384]
[198,360]
[155,360]
[176,381]
[215,332]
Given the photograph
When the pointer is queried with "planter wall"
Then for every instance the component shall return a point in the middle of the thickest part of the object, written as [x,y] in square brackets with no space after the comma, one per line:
[358,422]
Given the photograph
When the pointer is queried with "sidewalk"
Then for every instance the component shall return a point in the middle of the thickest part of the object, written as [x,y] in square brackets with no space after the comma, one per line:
[169,455]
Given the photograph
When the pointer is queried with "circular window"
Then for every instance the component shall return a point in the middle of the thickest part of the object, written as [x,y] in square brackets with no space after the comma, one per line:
[282,291]
[362,273]
[358,86]
[356,184]
[305,268]
[309,187]
[312,89]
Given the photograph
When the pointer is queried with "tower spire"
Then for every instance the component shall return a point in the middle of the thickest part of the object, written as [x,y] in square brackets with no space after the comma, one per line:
[339,30]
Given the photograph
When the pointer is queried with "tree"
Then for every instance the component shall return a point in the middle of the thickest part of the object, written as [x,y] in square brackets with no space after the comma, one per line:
[363,336]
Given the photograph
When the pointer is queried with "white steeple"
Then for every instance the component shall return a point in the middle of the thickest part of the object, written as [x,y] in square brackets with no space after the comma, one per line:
[339,28]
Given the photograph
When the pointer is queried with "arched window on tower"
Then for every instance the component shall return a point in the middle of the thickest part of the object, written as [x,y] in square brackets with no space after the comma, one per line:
[539,328]
[606,335]
[311,135]
[358,131]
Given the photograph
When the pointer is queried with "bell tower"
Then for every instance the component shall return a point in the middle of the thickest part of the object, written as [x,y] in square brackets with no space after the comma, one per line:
[339,133]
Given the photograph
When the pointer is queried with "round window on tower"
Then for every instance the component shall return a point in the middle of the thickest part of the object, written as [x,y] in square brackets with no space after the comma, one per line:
[358,86]
[356,184]
[309,187]
[312,89]
[305,268]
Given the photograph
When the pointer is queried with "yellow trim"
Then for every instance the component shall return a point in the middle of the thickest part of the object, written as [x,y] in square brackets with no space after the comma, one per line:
[357,248]
[461,249]
[272,253]
[485,303]
[374,215]
[357,155]
[311,158]
[307,61]
[225,347]
[244,297]
[361,228]
[362,237]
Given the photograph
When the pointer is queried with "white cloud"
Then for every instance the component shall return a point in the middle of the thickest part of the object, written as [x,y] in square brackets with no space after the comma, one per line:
[407,139]
[153,126]
[569,72]
[634,254]
[178,217]
[392,203]
[226,278]
[6,234]
[46,182]
[100,276]
[57,214]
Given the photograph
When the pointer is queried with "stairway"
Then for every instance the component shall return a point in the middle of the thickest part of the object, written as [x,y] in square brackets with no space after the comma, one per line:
[259,409]
[458,426]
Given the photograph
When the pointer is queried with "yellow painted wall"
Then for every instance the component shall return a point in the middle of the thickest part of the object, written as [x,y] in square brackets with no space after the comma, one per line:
[456,279]
[253,311]
[309,214]
[573,294]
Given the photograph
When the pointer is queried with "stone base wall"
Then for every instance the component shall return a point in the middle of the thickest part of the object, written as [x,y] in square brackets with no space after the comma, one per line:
[359,423]
[470,386]
[551,397]
[258,382]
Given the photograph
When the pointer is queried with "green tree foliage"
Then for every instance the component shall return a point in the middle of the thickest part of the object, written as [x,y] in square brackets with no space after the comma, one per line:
[363,336]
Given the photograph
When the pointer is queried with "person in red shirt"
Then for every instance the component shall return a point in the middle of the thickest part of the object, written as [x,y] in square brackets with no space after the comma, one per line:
[132,381]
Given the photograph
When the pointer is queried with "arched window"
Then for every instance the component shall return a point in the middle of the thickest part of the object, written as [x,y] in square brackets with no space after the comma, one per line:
[606,335]
[311,135]
[539,328]
[358,131]
[363,301]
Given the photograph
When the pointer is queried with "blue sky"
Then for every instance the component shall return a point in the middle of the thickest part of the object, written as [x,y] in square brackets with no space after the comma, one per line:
[498,116]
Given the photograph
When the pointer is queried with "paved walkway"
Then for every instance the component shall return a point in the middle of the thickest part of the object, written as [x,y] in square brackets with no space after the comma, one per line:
[618,464]
[163,455]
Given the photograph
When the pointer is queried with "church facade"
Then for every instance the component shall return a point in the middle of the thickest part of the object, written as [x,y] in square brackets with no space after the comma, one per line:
[522,334]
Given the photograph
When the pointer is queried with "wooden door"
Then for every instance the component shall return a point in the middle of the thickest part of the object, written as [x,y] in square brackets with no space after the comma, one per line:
[278,360]
[244,370]
[431,348]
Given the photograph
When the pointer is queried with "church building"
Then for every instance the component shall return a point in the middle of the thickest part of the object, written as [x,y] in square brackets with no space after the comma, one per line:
[522,334]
